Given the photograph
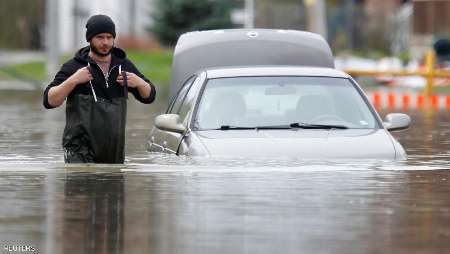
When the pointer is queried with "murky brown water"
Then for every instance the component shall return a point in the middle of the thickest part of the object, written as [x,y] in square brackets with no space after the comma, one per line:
[166,204]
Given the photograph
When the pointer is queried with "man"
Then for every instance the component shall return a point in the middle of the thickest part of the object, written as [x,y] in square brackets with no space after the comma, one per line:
[96,94]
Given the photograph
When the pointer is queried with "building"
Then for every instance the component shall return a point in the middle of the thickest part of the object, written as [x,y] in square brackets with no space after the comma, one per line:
[132,18]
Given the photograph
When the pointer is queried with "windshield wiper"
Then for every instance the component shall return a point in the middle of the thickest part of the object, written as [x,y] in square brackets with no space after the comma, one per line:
[317,126]
[273,127]
[268,127]
[290,126]
[232,127]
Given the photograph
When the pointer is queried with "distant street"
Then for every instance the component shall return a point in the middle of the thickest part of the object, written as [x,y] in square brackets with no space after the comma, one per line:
[9,57]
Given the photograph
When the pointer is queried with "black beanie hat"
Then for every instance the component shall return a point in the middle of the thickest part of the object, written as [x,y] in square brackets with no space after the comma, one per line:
[99,24]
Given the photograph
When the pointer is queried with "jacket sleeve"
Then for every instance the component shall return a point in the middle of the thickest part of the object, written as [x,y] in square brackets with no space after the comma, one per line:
[60,77]
[135,92]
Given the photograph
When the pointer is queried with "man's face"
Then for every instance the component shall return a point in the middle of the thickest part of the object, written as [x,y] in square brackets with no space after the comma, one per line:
[102,44]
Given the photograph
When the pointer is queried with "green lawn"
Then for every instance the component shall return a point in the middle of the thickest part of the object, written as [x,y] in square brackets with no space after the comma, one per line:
[34,71]
[154,65]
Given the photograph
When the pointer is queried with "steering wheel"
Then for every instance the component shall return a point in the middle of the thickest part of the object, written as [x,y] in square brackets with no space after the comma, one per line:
[321,118]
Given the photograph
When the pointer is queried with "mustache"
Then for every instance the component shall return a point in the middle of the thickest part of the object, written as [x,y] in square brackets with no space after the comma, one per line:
[96,50]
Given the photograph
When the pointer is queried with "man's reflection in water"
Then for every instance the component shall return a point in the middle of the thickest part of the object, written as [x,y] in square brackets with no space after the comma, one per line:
[93,213]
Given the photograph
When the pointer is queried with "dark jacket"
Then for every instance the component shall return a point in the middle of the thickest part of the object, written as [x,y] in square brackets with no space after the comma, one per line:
[99,82]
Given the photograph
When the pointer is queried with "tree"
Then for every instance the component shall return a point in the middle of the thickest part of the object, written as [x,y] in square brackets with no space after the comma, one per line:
[174,17]
[22,24]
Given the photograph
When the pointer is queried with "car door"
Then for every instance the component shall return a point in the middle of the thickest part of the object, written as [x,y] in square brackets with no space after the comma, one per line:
[171,139]
[158,138]
[187,108]
[166,141]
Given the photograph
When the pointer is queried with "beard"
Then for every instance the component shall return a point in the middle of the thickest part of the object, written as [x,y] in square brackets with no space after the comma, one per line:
[96,51]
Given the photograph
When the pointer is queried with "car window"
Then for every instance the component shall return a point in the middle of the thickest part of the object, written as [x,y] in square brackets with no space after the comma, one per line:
[189,100]
[174,107]
[274,101]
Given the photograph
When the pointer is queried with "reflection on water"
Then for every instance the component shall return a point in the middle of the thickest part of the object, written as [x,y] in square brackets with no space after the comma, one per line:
[92,210]
[168,204]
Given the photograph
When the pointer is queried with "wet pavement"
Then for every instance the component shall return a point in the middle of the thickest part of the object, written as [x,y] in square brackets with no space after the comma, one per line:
[167,204]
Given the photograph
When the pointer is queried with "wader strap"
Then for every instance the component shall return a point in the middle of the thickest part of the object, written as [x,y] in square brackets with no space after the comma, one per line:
[125,82]
[90,82]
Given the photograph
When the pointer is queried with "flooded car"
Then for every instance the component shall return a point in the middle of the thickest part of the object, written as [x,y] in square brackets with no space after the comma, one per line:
[290,102]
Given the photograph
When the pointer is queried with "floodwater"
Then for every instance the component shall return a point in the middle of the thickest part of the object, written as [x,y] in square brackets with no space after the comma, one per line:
[167,204]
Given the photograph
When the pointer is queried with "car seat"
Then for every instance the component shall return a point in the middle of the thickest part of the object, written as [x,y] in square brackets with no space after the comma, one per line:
[311,106]
[227,108]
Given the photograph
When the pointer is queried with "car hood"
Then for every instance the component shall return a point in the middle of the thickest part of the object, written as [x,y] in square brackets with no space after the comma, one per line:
[299,143]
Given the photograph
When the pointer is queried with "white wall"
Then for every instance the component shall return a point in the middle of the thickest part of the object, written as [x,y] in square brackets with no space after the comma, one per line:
[65,25]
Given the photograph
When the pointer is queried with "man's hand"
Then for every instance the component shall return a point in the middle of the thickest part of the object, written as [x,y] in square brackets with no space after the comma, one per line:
[81,76]
[135,81]
[132,79]
[57,94]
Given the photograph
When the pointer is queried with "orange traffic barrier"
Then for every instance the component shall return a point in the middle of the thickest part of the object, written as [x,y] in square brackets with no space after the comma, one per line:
[406,101]
[420,101]
[376,99]
[434,101]
[391,100]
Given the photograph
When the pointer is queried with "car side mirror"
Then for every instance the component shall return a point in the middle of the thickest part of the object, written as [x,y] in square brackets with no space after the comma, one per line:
[170,122]
[397,121]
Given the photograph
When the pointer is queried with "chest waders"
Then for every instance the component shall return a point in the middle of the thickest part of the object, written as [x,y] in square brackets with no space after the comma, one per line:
[95,128]
[95,131]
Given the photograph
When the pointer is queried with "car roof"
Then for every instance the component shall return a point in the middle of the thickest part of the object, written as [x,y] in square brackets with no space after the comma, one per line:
[201,50]
[250,71]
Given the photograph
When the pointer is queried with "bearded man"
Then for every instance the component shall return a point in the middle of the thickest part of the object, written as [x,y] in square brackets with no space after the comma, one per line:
[95,84]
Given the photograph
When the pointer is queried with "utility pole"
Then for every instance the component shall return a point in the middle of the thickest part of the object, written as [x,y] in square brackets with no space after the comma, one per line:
[350,19]
[80,13]
[76,18]
[132,18]
[249,14]
[317,22]
[52,32]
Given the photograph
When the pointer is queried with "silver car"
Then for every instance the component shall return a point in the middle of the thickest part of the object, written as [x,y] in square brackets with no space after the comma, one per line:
[303,110]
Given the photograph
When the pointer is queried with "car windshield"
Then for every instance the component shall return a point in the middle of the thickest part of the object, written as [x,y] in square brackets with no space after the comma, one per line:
[282,102]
